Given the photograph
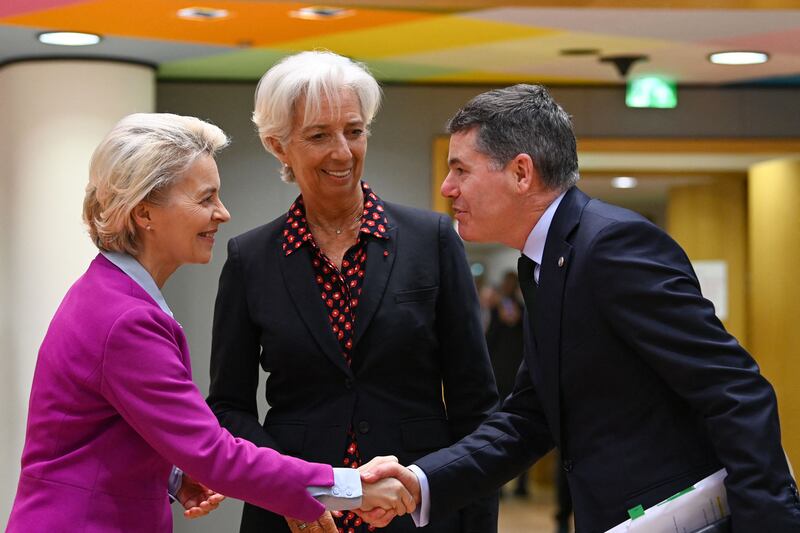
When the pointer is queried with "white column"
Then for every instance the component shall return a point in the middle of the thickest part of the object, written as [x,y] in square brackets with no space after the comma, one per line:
[52,115]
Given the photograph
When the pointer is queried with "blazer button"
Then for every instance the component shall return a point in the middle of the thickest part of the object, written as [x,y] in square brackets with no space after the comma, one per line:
[363,427]
[567,465]
[348,384]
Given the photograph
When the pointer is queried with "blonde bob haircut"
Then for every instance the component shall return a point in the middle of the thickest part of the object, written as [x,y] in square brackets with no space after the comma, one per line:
[317,76]
[139,159]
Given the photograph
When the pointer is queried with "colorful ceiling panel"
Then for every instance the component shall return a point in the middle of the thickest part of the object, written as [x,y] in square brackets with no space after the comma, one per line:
[249,23]
[490,44]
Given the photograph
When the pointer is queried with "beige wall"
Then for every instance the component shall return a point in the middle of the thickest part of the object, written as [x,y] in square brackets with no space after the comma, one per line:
[709,221]
[774,261]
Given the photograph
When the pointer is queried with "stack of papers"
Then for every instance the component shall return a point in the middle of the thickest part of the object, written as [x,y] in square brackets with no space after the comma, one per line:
[696,507]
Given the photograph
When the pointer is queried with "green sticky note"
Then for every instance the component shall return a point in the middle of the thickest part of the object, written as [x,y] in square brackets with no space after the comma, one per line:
[636,512]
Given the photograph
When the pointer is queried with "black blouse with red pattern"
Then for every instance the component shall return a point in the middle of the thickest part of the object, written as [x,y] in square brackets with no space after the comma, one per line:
[340,291]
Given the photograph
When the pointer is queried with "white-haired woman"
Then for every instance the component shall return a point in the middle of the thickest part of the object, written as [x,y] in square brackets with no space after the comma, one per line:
[362,311]
[113,405]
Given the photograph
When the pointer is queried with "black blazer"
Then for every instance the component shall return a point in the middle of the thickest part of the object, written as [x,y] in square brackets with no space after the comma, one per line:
[628,371]
[420,377]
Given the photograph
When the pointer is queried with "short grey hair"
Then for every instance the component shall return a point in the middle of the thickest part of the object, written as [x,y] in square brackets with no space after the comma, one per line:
[139,159]
[523,119]
[317,76]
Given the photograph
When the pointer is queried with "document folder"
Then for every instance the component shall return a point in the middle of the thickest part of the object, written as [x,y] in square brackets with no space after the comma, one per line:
[720,526]
[699,507]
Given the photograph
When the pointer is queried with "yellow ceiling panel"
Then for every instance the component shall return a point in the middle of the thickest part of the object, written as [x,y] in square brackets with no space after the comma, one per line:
[502,78]
[528,53]
[249,23]
[435,33]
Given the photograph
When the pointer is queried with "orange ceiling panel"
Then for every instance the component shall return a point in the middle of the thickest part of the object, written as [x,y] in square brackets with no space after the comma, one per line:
[249,23]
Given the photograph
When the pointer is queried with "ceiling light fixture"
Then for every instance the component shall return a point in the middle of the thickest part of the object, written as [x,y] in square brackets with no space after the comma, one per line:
[740,57]
[579,52]
[69,38]
[624,182]
[321,13]
[623,63]
[202,13]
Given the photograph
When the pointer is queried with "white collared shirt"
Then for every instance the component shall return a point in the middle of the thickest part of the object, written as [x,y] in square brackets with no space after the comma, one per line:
[534,244]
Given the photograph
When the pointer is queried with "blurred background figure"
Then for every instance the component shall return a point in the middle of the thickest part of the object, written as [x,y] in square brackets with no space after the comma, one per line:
[504,339]
[487,299]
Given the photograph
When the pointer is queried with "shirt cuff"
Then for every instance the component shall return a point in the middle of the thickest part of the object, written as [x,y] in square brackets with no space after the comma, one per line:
[344,494]
[422,513]
[175,479]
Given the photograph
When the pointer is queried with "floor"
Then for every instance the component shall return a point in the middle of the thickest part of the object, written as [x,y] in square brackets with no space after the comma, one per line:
[532,514]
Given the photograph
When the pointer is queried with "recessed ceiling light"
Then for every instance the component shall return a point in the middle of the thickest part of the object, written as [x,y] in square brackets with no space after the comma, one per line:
[624,182]
[321,13]
[738,58]
[69,38]
[202,13]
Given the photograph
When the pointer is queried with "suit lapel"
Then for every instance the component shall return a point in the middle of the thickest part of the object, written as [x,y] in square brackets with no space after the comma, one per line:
[547,325]
[298,277]
[380,259]
[556,260]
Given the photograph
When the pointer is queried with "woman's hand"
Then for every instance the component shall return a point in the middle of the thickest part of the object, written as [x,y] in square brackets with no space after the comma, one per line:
[197,499]
[323,524]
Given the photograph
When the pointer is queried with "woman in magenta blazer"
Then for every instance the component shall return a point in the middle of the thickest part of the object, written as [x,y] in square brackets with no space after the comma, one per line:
[113,406]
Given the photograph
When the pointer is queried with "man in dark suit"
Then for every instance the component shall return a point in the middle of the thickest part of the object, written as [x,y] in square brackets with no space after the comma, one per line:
[626,370]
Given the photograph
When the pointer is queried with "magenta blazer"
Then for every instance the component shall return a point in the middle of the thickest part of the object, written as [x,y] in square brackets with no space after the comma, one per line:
[113,407]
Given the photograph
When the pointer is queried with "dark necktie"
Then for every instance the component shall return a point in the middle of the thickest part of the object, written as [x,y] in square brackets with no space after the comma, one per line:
[527,283]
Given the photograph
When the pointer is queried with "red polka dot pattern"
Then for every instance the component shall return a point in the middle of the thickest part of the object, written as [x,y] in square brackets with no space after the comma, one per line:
[340,291]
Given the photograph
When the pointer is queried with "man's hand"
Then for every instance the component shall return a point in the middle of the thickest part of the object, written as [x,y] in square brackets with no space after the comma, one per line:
[376,472]
[392,469]
[323,524]
[197,499]
[366,467]
[387,493]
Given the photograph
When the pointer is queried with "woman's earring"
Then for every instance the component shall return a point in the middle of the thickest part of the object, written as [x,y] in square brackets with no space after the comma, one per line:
[149,227]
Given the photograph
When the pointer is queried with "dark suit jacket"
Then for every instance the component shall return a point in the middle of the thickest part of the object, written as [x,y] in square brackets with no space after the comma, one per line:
[628,371]
[420,377]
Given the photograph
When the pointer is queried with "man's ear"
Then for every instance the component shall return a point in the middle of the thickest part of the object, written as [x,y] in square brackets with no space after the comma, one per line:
[277,148]
[526,176]
[141,215]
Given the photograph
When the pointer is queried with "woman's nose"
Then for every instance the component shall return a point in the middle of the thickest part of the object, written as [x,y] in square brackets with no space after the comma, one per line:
[221,213]
[341,148]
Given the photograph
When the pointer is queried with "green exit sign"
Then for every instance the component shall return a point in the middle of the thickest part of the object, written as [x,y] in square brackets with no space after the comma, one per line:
[651,92]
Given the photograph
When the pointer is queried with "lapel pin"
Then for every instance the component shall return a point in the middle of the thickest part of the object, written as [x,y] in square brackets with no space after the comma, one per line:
[561,261]
[386,253]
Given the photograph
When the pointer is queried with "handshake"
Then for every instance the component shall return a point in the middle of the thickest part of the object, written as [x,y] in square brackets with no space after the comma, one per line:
[388,490]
